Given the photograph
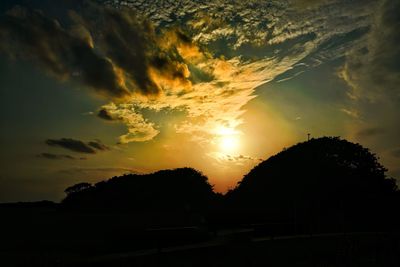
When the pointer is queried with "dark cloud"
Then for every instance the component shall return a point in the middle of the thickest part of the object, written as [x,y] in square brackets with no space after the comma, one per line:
[127,41]
[133,45]
[57,156]
[104,114]
[77,145]
[71,144]
[373,71]
[27,34]
[98,145]
[113,51]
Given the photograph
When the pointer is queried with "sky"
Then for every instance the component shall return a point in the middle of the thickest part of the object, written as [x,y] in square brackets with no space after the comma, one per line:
[95,89]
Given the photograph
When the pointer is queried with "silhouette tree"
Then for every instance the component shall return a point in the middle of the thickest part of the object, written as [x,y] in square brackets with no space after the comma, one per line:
[183,189]
[323,183]
[327,180]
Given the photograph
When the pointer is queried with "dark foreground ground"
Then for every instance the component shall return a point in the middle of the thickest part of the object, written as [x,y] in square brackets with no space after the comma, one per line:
[46,237]
[352,249]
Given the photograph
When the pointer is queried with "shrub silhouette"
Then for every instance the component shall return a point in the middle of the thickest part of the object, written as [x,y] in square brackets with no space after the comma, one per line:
[326,179]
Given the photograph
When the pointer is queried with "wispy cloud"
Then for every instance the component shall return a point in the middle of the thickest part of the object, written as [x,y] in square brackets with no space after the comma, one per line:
[105,171]
[57,156]
[139,129]
[351,112]
[233,159]
[78,145]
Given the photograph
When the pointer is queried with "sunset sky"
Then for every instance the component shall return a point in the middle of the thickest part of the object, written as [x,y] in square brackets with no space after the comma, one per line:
[94,89]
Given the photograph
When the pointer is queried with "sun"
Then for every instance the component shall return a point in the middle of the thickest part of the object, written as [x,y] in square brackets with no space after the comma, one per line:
[229,143]
[228,140]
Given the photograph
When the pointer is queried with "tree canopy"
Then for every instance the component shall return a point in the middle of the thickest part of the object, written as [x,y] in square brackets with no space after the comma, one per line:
[178,189]
[320,176]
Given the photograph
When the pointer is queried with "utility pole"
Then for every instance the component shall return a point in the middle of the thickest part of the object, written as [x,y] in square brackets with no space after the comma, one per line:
[308,137]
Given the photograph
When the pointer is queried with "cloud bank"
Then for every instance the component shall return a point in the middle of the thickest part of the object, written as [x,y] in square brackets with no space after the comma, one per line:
[199,62]
[251,44]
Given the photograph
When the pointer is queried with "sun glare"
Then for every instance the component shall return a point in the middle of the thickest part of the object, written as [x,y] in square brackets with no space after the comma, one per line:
[228,143]
[228,139]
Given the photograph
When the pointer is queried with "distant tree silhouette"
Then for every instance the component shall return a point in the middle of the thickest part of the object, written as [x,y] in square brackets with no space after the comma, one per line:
[183,190]
[326,179]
